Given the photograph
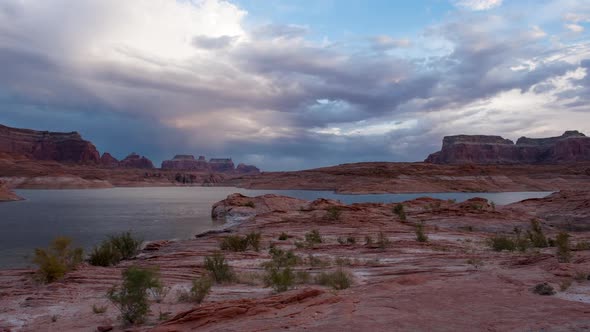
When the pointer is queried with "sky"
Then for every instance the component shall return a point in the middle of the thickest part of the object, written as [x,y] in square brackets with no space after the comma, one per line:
[288,85]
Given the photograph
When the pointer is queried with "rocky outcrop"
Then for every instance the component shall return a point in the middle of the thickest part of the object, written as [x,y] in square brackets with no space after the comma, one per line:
[572,146]
[186,162]
[45,145]
[136,161]
[216,165]
[6,195]
[107,160]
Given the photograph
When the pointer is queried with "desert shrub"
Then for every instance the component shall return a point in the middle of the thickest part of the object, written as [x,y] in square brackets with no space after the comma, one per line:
[115,249]
[199,290]
[420,235]
[283,236]
[218,268]
[476,262]
[131,298]
[159,293]
[313,237]
[382,241]
[250,204]
[368,240]
[338,279]
[582,245]
[351,240]
[536,236]
[562,243]
[56,260]
[99,309]
[543,289]
[279,270]
[400,211]
[341,240]
[315,261]
[334,213]
[521,243]
[581,276]
[241,243]
[502,242]
[564,285]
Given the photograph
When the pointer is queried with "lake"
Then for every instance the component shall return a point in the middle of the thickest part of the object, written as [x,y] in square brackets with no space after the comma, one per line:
[90,215]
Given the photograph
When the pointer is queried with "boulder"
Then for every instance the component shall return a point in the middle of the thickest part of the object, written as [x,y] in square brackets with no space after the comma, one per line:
[572,146]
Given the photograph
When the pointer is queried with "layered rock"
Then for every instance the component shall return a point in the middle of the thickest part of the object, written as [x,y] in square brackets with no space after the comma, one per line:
[136,161]
[221,165]
[215,165]
[107,160]
[247,169]
[186,162]
[572,146]
[45,145]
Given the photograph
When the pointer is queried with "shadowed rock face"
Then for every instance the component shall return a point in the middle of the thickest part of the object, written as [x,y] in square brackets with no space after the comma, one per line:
[136,161]
[572,146]
[217,165]
[108,160]
[44,145]
[186,162]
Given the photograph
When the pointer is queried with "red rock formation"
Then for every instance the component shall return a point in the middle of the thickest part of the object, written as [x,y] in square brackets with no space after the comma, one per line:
[136,161]
[572,146]
[108,160]
[221,165]
[44,145]
[6,195]
[247,169]
[186,162]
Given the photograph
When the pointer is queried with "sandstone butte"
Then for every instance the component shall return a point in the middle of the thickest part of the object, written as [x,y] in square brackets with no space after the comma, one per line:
[452,282]
[218,165]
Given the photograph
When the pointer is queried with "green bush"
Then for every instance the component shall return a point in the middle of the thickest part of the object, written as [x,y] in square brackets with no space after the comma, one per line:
[543,289]
[536,236]
[283,236]
[199,290]
[99,309]
[115,249]
[400,211]
[313,237]
[502,242]
[334,213]
[337,279]
[382,241]
[132,296]
[218,268]
[250,204]
[564,254]
[241,243]
[54,262]
[279,270]
[420,235]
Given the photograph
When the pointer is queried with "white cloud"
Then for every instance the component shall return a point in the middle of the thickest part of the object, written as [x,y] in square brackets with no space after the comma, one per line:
[575,28]
[478,5]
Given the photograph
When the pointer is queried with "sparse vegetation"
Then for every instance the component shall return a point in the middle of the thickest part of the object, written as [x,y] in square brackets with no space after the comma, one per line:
[338,279]
[315,261]
[218,268]
[199,290]
[543,289]
[56,260]
[115,249]
[241,243]
[279,270]
[382,241]
[368,241]
[334,213]
[313,238]
[564,285]
[536,236]
[250,204]
[99,309]
[582,245]
[502,242]
[400,211]
[476,262]
[132,297]
[420,235]
[564,254]
[350,240]
[283,236]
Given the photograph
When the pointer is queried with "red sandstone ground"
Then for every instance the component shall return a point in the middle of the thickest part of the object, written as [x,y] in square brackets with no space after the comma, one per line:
[386,177]
[453,282]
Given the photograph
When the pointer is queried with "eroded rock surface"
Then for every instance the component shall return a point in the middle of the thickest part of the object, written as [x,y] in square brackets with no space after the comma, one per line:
[136,161]
[452,282]
[7,195]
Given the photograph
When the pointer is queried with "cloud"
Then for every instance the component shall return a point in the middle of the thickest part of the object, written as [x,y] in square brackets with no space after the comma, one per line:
[164,77]
[575,28]
[478,5]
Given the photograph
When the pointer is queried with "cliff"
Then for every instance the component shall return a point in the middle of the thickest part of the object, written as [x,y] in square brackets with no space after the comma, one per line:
[45,145]
[136,161]
[572,146]
[6,195]
[216,165]
[107,160]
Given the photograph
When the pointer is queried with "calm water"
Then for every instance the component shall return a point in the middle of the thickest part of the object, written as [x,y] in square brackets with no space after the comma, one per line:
[88,216]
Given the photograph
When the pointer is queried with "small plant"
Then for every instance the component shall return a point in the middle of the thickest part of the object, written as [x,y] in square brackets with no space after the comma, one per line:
[337,279]
[279,271]
[521,243]
[200,289]
[315,261]
[55,261]
[543,289]
[368,241]
[536,236]
[132,297]
[99,309]
[564,285]
[115,249]
[250,204]
[313,237]
[283,236]
[502,242]
[477,263]
[382,241]
[341,240]
[126,245]
[54,318]
[218,268]
[420,235]
[582,245]
[159,293]
[334,213]
[564,254]
[351,240]
[343,261]
[241,243]
[400,211]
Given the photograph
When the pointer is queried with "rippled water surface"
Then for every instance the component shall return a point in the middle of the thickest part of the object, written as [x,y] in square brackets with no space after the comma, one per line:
[88,216]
